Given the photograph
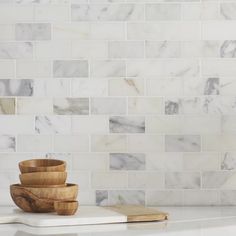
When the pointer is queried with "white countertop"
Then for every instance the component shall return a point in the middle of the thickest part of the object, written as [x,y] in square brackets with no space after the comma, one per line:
[197,221]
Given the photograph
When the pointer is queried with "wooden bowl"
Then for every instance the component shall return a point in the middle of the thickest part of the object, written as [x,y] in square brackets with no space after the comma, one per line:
[31,199]
[42,165]
[43,178]
[66,207]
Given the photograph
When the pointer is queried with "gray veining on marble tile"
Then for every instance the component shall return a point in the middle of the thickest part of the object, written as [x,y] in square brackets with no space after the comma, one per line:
[163,49]
[228,161]
[182,180]
[52,124]
[7,106]
[228,49]
[125,124]
[70,68]
[212,86]
[219,179]
[182,143]
[112,106]
[7,143]
[71,106]
[9,50]
[33,31]
[171,107]
[122,197]
[101,197]
[228,10]
[127,161]
[16,87]
[107,12]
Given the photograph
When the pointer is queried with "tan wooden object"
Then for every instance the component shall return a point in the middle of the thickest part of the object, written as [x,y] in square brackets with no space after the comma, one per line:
[43,178]
[66,207]
[137,213]
[42,165]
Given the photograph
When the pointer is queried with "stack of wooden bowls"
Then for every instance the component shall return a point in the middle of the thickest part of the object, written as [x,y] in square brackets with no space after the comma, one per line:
[43,187]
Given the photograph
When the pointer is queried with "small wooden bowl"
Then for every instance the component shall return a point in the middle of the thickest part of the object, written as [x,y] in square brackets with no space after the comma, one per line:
[42,165]
[43,178]
[32,199]
[66,207]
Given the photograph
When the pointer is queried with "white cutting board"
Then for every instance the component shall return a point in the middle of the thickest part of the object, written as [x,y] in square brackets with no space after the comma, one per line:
[86,215]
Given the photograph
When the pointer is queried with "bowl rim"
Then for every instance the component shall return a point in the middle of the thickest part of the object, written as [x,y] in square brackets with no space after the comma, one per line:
[44,173]
[67,185]
[24,163]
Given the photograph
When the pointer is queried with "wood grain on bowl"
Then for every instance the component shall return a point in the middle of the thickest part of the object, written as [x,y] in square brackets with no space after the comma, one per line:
[66,207]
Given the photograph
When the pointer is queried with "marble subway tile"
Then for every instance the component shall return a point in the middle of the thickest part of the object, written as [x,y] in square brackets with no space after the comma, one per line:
[82,49]
[169,68]
[52,124]
[228,48]
[51,13]
[111,106]
[126,87]
[140,143]
[218,30]
[127,124]
[174,30]
[163,49]
[108,68]
[172,107]
[28,69]
[10,50]
[210,48]
[7,69]
[228,197]
[123,197]
[7,106]
[70,68]
[101,197]
[33,31]
[34,143]
[53,49]
[228,10]
[227,86]
[219,180]
[192,11]
[164,198]
[71,106]
[228,125]
[108,180]
[164,11]
[90,124]
[212,86]
[108,143]
[182,180]
[83,87]
[163,161]
[80,177]
[90,161]
[51,88]
[71,143]
[7,143]
[12,87]
[145,105]
[124,49]
[201,161]
[170,86]
[127,161]
[146,180]
[71,31]
[20,124]
[34,106]
[182,143]
[107,12]
[228,161]
[201,198]
[7,32]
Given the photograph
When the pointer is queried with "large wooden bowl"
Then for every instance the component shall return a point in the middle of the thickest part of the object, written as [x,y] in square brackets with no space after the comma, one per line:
[42,165]
[31,199]
[43,178]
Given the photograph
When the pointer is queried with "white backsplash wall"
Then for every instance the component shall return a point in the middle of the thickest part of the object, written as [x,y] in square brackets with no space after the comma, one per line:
[138,96]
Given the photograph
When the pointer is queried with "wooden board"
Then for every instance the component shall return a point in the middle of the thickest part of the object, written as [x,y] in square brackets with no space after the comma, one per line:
[136,213]
[86,215]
